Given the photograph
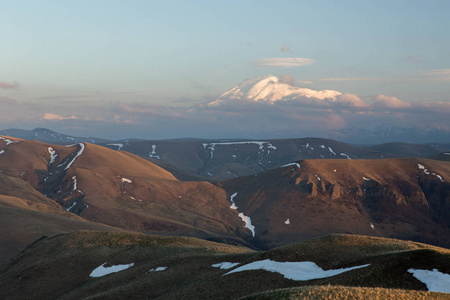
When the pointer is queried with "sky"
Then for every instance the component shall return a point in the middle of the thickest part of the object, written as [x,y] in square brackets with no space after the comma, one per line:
[148,69]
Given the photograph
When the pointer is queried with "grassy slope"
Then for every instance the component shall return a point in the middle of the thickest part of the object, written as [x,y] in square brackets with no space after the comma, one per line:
[26,214]
[344,293]
[66,261]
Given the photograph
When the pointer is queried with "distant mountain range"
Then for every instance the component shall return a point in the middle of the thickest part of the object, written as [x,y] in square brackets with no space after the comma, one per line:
[193,159]
[65,190]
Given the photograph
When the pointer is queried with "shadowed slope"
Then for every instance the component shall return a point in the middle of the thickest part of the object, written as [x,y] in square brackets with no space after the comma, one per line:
[25,215]
[184,268]
[402,198]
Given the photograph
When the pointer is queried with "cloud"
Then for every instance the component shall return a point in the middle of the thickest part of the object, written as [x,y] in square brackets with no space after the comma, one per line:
[286,49]
[436,75]
[7,100]
[283,62]
[6,85]
[350,79]
[351,100]
[305,81]
[288,79]
[390,102]
[55,117]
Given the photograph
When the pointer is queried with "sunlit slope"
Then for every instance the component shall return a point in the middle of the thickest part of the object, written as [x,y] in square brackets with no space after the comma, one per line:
[401,198]
[122,190]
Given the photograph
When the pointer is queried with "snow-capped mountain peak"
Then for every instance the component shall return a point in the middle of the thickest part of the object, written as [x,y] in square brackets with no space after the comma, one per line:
[271,89]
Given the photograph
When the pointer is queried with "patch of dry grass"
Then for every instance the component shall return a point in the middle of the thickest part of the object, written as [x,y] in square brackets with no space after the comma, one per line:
[346,293]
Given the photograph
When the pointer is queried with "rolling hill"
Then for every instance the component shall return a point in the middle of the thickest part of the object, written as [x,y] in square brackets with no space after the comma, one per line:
[121,190]
[99,265]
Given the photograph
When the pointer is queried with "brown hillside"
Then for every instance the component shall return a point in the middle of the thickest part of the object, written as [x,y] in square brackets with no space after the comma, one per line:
[400,198]
[122,190]
[25,215]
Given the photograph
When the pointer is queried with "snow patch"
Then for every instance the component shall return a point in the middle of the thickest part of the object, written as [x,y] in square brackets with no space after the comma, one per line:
[126,180]
[367,179]
[343,154]
[102,270]
[291,164]
[7,141]
[53,155]
[248,223]
[225,265]
[158,269]
[371,225]
[434,280]
[287,222]
[246,219]
[331,150]
[2,151]
[300,271]
[152,154]
[322,146]
[211,146]
[74,178]
[421,166]
[68,209]
[233,205]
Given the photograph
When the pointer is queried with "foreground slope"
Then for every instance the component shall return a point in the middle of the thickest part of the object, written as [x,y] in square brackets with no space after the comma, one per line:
[121,190]
[400,198]
[79,266]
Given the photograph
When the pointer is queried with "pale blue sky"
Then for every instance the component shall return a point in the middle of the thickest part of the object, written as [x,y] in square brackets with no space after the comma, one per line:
[181,53]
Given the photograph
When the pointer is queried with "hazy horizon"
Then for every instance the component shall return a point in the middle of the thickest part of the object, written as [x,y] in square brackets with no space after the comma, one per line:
[149,70]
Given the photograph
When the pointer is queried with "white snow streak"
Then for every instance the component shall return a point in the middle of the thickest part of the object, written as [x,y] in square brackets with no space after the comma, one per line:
[248,223]
[74,178]
[2,151]
[291,164]
[246,219]
[68,209]
[300,271]
[158,269]
[225,265]
[331,150]
[287,222]
[434,280]
[78,154]
[367,179]
[102,271]
[53,155]
[118,145]
[343,154]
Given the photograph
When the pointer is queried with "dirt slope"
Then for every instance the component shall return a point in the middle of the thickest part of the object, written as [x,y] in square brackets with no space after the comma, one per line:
[401,198]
